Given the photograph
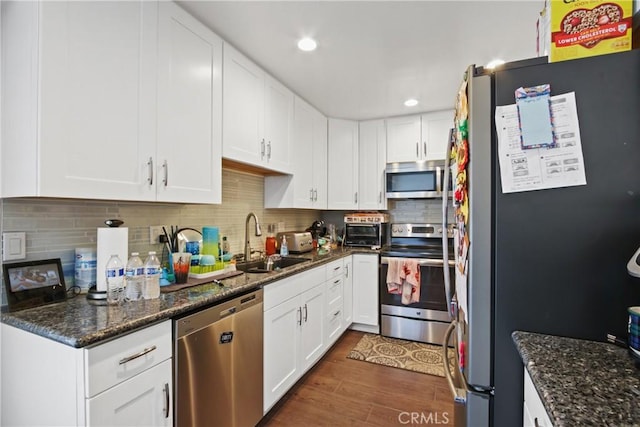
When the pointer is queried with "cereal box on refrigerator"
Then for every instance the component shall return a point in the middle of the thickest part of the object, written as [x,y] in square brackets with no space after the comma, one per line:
[582,28]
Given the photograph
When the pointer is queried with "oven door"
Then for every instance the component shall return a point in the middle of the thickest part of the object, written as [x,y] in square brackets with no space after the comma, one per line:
[425,320]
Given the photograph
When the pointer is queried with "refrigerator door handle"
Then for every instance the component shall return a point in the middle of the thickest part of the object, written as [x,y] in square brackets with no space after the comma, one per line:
[459,394]
[445,234]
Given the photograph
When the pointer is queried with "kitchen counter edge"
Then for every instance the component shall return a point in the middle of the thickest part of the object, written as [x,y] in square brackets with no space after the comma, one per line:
[580,381]
[78,323]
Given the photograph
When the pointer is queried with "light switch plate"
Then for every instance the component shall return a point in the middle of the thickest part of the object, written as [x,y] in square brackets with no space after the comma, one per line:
[14,246]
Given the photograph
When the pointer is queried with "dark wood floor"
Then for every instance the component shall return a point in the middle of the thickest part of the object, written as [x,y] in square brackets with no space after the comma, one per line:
[345,392]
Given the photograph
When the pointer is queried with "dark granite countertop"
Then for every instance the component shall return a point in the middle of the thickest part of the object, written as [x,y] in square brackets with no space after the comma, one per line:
[78,323]
[582,382]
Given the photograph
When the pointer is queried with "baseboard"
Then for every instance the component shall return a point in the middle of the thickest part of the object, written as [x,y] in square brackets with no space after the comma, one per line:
[372,329]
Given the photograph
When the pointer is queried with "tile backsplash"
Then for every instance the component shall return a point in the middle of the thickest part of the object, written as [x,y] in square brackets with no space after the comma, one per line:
[55,227]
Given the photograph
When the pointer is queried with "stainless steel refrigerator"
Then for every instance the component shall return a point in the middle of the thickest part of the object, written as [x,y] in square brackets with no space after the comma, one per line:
[551,261]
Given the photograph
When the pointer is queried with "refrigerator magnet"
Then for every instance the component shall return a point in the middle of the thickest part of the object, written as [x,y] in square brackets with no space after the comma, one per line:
[535,118]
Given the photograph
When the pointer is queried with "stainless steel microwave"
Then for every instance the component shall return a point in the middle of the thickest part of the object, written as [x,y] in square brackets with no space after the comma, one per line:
[416,180]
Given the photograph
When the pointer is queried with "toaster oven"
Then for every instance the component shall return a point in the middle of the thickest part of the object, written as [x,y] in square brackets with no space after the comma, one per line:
[365,234]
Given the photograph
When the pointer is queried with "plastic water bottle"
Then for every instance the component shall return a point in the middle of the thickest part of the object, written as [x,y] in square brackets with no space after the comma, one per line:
[152,271]
[115,280]
[134,277]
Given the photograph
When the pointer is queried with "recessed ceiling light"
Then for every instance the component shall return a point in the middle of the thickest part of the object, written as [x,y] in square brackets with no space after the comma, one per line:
[495,63]
[307,44]
[411,102]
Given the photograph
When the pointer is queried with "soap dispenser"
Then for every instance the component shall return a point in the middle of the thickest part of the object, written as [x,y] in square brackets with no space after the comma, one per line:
[284,249]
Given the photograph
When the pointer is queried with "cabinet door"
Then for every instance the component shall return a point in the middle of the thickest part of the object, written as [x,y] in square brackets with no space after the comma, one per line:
[403,139]
[347,296]
[343,162]
[97,99]
[320,171]
[302,146]
[371,165]
[281,350]
[365,289]
[144,400]
[312,332]
[435,133]
[189,109]
[243,109]
[277,125]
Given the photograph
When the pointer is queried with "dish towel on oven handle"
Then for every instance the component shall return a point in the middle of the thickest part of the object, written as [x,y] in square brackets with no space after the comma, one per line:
[403,278]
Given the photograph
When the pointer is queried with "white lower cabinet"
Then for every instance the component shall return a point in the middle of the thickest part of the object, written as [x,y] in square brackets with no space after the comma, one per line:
[141,401]
[334,290]
[365,289]
[123,382]
[534,414]
[293,330]
[347,296]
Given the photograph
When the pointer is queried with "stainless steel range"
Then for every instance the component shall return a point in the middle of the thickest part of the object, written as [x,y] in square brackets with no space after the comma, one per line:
[413,303]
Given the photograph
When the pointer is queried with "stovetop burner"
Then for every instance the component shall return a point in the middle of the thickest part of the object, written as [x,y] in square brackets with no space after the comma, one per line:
[417,241]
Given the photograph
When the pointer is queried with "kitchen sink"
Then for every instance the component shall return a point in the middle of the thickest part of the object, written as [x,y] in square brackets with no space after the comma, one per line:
[263,266]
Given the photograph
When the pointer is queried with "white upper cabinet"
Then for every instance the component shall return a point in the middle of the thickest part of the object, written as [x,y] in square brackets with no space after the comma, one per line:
[343,164]
[82,86]
[419,137]
[372,152]
[189,109]
[435,132]
[79,99]
[257,116]
[307,187]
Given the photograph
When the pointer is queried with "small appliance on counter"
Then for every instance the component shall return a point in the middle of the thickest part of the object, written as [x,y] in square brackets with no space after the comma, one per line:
[298,241]
[366,229]
[111,240]
[317,229]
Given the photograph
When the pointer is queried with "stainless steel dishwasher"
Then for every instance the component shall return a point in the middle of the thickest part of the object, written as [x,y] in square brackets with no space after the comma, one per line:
[218,364]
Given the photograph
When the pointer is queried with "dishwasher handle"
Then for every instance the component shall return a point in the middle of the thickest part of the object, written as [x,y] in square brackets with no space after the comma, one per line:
[203,318]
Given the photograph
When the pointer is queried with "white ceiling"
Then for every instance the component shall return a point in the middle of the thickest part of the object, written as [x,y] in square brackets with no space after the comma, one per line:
[372,56]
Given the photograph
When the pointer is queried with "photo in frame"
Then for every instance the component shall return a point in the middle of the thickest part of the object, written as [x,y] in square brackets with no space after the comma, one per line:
[34,283]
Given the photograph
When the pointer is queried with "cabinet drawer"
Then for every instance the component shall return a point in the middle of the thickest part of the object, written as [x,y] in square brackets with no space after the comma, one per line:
[334,269]
[334,322]
[115,361]
[282,290]
[334,290]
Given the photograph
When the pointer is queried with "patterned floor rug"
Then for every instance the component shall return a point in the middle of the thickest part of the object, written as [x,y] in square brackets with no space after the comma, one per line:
[409,355]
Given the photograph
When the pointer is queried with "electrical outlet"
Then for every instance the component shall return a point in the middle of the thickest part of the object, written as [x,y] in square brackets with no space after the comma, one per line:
[155,231]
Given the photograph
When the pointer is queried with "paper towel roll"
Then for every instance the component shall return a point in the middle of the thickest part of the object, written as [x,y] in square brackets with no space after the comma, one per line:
[111,241]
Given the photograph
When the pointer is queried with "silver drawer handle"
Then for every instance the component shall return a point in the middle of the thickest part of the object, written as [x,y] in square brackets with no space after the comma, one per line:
[135,356]
[166,400]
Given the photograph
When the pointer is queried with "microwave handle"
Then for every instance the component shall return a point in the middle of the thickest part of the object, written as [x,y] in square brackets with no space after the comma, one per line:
[445,216]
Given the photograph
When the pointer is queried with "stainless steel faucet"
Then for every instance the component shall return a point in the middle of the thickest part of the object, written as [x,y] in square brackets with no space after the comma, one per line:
[247,240]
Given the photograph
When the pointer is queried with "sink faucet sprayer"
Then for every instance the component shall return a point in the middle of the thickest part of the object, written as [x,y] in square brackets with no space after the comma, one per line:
[247,241]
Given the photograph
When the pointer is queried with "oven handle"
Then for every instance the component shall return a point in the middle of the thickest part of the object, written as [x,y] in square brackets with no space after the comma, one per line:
[445,217]
[423,262]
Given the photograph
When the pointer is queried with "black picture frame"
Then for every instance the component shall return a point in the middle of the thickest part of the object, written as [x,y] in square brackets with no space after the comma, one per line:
[34,283]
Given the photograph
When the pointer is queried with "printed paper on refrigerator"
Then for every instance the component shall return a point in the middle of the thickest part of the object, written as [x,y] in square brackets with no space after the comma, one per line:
[541,168]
